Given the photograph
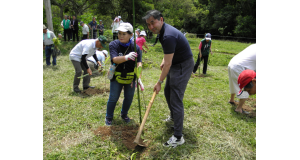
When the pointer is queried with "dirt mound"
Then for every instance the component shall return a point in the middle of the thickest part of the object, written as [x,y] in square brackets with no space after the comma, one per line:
[125,133]
[91,91]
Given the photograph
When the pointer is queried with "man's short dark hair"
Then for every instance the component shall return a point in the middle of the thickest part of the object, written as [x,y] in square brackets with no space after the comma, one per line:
[155,13]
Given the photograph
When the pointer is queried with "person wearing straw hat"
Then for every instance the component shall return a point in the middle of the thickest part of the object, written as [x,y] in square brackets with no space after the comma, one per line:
[204,49]
[101,55]
[78,56]
[177,66]
[141,41]
[123,56]
[246,59]
[48,45]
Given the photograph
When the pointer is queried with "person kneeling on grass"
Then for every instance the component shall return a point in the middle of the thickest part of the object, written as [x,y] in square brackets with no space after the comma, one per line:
[123,56]
[246,59]
[101,55]
[78,55]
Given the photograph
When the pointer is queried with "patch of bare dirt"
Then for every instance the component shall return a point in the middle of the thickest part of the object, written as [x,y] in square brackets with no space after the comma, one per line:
[249,106]
[125,133]
[91,91]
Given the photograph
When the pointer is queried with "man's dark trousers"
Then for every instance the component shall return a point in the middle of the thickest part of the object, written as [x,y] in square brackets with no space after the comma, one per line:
[66,32]
[177,80]
[75,32]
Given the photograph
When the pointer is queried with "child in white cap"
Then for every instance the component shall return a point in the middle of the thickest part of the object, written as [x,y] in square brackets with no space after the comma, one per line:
[141,41]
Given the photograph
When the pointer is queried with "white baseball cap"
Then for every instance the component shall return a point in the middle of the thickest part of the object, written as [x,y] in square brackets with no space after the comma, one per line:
[124,27]
[105,52]
[143,33]
[119,16]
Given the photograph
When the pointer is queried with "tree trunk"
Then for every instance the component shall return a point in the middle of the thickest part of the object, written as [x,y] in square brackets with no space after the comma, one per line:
[48,14]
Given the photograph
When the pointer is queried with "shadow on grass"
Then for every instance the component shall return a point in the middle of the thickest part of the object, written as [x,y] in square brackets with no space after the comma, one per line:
[90,92]
[201,75]
[54,68]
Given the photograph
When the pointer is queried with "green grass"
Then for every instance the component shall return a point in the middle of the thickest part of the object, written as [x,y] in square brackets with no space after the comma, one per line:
[212,130]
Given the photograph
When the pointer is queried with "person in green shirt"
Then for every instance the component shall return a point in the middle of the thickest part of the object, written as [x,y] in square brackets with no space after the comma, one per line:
[66,24]
[204,49]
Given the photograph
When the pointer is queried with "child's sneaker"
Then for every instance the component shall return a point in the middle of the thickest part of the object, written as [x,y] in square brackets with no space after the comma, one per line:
[125,118]
[174,142]
[108,121]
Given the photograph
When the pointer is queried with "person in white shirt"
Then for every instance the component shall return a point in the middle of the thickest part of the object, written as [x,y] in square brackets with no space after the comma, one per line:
[85,31]
[116,23]
[246,59]
[101,55]
[78,55]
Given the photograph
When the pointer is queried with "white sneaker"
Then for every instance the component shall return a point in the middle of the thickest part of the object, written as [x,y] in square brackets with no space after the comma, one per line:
[174,142]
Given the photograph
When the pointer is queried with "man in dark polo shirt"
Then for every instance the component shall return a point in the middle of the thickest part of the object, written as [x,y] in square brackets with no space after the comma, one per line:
[177,65]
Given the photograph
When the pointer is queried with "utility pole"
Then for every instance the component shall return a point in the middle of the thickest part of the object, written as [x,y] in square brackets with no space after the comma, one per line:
[48,14]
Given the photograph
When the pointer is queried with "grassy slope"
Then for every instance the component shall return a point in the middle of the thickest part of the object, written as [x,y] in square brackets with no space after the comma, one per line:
[212,129]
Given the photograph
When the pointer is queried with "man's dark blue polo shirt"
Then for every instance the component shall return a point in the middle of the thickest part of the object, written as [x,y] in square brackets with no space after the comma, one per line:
[173,41]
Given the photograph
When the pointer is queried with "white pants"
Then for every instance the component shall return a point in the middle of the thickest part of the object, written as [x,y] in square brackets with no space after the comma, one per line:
[233,73]
[92,67]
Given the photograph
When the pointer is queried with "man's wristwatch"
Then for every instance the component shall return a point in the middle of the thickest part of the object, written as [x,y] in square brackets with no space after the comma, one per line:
[160,81]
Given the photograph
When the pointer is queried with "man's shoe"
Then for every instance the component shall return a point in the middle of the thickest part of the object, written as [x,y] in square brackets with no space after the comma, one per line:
[77,90]
[108,121]
[174,142]
[125,118]
[88,87]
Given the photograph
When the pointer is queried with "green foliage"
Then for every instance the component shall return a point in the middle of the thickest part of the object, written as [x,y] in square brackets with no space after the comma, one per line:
[227,18]
[56,41]
[56,25]
[133,156]
[191,35]
[246,26]
[86,18]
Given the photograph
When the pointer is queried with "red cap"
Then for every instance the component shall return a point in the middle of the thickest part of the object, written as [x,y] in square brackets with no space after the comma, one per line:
[244,78]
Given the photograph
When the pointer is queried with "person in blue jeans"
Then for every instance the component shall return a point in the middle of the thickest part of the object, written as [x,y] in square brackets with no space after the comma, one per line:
[123,56]
[48,45]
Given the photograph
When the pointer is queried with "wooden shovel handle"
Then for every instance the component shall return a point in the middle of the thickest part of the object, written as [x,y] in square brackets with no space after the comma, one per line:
[138,136]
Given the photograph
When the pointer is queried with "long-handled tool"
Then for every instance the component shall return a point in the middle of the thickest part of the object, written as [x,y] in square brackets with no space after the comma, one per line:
[199,63]
[138,136]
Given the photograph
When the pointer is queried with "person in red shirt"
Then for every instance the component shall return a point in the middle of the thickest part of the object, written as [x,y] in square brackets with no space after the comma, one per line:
[141,41]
